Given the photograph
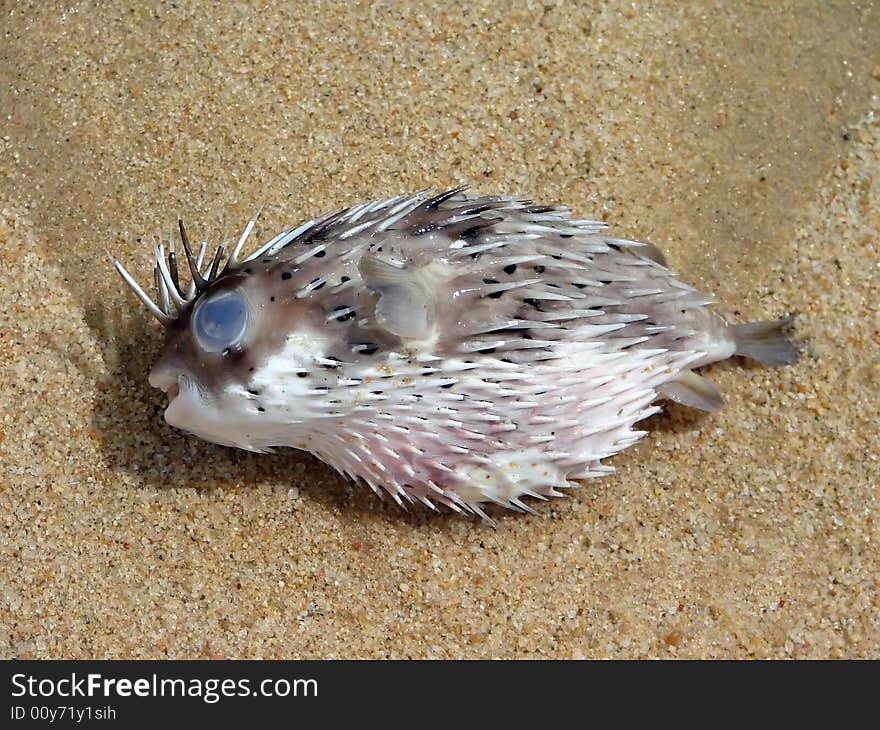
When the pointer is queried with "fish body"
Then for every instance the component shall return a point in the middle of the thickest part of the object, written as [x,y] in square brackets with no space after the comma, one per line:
[447,348]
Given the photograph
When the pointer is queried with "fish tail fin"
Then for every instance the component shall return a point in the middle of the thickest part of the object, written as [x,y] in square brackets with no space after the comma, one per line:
[766,341]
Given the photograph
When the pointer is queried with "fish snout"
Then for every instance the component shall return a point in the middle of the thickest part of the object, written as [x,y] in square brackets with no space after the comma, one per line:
[165,380]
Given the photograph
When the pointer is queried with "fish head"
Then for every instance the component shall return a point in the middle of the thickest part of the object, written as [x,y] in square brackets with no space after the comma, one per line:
[207,347]
[240,365]
[227,337]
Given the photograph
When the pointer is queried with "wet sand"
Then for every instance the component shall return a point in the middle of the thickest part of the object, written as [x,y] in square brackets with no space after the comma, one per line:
[743,140]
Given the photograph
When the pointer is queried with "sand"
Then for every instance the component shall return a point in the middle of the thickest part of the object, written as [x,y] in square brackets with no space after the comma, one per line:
[742,138]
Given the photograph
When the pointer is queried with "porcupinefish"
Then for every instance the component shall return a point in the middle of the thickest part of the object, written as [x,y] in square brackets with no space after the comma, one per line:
[447,348]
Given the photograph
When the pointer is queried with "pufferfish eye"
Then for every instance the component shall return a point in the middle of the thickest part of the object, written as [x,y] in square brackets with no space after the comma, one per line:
[219,322]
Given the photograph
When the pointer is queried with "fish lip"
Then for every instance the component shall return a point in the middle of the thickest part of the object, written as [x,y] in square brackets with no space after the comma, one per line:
[171,385]
[183,401]
[164,379]
[174,390]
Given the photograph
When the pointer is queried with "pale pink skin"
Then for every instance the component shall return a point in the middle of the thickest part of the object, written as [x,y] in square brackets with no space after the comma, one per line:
[451,349]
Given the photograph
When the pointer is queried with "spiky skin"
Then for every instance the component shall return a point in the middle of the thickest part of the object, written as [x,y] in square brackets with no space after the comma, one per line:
[543,342]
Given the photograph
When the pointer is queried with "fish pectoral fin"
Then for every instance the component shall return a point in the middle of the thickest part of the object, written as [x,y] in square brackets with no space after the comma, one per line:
[405,306]
[692,390]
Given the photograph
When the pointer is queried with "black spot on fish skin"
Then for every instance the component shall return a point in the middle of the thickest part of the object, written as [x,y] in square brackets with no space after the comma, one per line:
[321,254]
[286,275]
[344,317]
[302,374]
[469,229]
[540,269]
[510,269]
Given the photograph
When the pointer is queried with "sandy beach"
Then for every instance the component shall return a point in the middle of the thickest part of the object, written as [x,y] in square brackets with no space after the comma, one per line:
[741,138]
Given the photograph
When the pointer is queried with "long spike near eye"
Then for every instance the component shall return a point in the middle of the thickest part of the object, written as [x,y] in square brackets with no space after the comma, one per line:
[200,283]
[200,259]
[215,264]
[172,266]
[176,295]
[140,293]
[164,302]
[233,257]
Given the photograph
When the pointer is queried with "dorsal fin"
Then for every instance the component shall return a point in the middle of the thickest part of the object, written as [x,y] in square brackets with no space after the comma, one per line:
[651,252]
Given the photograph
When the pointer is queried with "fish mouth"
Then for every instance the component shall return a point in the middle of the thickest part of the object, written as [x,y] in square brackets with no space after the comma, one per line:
[170,383]
[184,403]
